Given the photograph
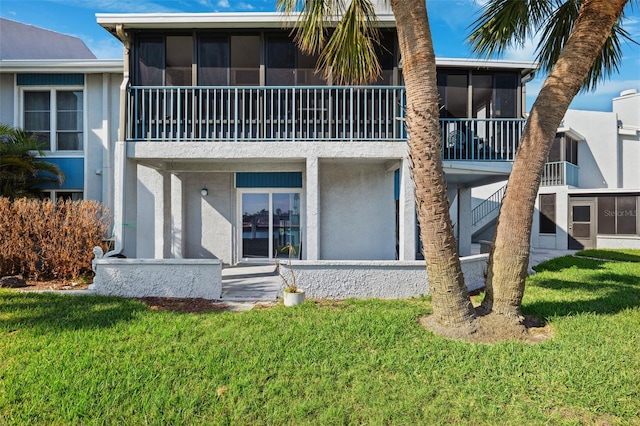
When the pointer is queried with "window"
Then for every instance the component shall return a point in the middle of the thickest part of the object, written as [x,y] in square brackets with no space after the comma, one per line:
[54,196]
[452,89]
[494,96]
[245,60]
[55,117]
[564,148]
[618,215]
[547,213]
[165,60]
[213,57]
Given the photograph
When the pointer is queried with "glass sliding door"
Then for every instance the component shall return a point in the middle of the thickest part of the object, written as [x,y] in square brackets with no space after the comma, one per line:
[286,223]
[255,225]
[270,222]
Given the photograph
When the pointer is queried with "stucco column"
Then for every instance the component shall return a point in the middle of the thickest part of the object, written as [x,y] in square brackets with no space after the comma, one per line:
[464,221]
[177,239]
[407,213]
[151,213]
[312,191]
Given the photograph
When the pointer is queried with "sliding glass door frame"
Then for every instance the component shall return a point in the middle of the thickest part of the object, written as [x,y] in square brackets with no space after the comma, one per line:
[240,216]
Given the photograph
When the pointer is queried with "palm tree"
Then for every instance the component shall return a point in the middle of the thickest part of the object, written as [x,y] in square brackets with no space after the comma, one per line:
[580,45]
[348,54]
[21,171]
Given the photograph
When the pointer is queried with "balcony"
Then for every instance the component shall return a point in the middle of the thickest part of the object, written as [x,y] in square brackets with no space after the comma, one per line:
[299,114]
[560,173]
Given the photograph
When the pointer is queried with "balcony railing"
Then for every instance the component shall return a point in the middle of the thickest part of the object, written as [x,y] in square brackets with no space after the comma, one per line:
[481,138]
[559,173]
[322,113]
[270,113]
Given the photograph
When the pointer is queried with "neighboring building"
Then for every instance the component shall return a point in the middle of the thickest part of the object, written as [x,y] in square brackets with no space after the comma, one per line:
[231,146]
[52,85]
[590,191]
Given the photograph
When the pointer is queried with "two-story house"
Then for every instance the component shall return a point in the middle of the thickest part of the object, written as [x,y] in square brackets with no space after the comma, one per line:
[53,86]
[590,191]
[231,146]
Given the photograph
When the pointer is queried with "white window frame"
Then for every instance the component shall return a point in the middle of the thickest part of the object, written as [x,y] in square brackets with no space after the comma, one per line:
[53,131]
[53,193]
[270,191]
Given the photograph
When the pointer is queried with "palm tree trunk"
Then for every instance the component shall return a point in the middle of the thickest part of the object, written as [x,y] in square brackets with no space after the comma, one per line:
[509,258]
[452,307]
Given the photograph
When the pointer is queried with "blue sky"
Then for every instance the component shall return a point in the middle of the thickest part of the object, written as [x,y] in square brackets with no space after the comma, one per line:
[449,24]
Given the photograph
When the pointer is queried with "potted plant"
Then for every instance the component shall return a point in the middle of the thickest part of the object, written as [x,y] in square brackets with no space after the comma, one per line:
[292,295]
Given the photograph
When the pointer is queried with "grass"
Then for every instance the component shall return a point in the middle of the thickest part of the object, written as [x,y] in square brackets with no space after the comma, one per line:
[621,255]
[94,360]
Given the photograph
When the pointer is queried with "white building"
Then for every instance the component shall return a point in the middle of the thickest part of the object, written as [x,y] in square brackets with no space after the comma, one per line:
[590,190]
[52,85]
[231,146]
[590,194]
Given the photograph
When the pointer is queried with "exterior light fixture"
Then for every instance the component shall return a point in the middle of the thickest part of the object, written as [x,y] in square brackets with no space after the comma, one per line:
[204,191]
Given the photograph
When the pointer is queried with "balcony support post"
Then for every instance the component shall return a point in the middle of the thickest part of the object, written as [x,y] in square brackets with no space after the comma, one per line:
[407,212]
[312,191]
[464,221]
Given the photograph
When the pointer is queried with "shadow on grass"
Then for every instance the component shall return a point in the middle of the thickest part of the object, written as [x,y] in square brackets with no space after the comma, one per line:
[567,262]
[53,312]
[619,292]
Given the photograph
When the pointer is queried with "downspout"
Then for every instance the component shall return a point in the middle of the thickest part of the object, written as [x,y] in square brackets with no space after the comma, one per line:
[120,152]
[523,102]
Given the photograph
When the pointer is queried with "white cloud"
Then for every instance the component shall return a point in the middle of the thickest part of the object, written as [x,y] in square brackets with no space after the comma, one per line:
[223,3]
[140,6]
[244,6]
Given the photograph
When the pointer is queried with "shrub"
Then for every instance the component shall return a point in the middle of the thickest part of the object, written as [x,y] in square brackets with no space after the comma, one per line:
[41,239]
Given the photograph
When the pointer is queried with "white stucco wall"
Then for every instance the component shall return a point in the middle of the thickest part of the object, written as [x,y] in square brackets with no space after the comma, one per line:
[628,109]
[357,211]
[618,242]
[598,154]
[150,197]
[375,279]
[209,220]
[182,278]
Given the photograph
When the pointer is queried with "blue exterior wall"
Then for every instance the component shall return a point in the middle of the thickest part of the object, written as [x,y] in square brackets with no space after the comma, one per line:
[269,180]
[73,169]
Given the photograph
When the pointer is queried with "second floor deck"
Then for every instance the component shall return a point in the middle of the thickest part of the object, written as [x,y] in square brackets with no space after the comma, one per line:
[304,114]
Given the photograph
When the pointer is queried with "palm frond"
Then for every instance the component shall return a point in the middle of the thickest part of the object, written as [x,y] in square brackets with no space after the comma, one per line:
[345,35]
[504,24]
[556,33]
[350,54]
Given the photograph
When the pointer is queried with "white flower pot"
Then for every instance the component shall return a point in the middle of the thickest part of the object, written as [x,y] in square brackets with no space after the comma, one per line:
[293,299]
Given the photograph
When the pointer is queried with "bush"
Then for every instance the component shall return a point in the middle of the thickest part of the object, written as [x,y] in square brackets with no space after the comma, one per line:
[41,239]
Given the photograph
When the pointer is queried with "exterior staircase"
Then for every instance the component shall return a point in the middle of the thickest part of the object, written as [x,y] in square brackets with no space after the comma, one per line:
[485,214]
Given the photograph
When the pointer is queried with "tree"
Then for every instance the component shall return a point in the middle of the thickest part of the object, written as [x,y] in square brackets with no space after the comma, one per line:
[21,171]
[580,45]
[348,54]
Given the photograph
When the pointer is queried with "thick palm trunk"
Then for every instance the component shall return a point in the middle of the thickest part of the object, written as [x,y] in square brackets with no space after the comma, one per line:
[452,308]
[509,260]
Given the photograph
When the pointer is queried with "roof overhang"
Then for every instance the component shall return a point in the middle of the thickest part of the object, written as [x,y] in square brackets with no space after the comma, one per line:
[87,66]
[573,134]
[257,20]
[524,67]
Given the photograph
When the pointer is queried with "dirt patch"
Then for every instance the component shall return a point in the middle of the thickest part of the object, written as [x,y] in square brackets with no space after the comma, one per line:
[183,305]
[53,285]
[494,328]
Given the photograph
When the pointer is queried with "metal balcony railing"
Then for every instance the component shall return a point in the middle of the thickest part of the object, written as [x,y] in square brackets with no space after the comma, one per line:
[493,139]
[320,113]
[267,113]
[559,173]
[488,206]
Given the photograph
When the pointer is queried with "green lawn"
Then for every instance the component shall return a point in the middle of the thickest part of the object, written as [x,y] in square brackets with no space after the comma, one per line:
[93,360]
